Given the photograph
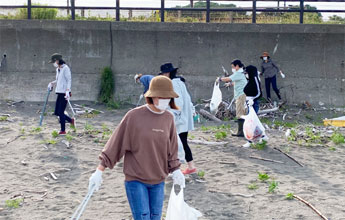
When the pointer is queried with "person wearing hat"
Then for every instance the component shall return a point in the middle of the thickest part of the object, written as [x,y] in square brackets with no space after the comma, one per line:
[239,81]
[183,117]
[269,70]
[147,139]
[63,90]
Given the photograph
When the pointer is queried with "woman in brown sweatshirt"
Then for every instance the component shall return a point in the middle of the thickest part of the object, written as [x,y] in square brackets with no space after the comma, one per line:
[147,139]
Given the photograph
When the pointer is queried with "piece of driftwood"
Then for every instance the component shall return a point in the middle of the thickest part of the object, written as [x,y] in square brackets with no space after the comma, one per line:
[264,159]
[288,156]
[311,206]
[208,115]
[232,194]
[212,143]
[227,163]
[15,138]
[7,115]
[268,110]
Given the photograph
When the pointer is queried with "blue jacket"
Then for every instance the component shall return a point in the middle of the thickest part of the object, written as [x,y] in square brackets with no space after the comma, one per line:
[145,80]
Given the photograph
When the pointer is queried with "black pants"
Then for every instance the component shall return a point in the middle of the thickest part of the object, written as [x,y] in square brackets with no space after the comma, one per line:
[188,152]
[268,82]
[60,107]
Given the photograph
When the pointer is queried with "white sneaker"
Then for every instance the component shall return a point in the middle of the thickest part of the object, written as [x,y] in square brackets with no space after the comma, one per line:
[246,145]
[263,138]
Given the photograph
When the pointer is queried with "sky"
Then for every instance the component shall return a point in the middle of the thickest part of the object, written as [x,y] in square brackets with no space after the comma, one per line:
[173,3]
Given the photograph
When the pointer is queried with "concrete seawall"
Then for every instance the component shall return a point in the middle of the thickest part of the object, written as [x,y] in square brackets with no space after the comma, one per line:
[311,56]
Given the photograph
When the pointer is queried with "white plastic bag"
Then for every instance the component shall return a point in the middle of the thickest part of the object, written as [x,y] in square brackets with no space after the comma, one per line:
[252,127]
[216,97]
[181,153]
[178,209]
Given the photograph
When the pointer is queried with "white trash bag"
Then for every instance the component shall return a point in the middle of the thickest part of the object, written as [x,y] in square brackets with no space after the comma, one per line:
[181,153]
[252,127]
[178,209]
[216,97]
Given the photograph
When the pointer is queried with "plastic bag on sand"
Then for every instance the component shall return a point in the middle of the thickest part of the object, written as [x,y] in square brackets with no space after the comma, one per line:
[178,208]
[181,153]
[252,127]
[216,97]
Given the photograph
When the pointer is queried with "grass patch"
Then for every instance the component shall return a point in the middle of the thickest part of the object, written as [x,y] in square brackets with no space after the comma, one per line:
[13,203]
[220,135]
[253,186]
[3,118]
[263,176]
[273,185]
[338,138]
[106,94]
[201,174]
[69,137]
[259,145]
[289,196]
[55,134]
[36,130]
[332,149]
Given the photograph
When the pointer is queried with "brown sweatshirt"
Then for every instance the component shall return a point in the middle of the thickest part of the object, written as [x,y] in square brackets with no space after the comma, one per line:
[148,140]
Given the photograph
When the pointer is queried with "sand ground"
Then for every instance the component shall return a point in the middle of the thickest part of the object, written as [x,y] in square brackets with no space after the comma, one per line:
[222,194]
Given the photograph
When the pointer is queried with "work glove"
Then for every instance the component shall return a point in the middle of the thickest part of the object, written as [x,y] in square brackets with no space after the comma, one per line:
[67,95]
[50,86]
[250,102]
[282,74]
[179,178]
[95,179]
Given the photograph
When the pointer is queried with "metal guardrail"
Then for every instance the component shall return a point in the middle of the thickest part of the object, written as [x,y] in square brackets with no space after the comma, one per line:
[208,8]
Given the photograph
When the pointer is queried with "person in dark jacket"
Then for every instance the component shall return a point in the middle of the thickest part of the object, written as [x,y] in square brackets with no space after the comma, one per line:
[269,70]
[253,94]
[253,88]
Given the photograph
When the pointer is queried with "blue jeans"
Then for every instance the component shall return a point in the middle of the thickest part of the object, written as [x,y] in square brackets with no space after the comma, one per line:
[268,82]
[145,200]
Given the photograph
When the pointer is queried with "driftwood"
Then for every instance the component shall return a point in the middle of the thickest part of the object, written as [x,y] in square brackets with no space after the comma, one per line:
[311,206]
[232,194]
[268,110]
[206,142]
[208,115]
[15,138]
[288,156]
[224,112]
[264,159]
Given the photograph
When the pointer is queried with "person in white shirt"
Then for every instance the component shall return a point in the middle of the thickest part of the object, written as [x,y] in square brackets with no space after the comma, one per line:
[63,83]
[183,117]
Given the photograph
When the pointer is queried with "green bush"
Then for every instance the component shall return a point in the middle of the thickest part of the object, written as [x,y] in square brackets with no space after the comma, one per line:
[106,94]
[37,13]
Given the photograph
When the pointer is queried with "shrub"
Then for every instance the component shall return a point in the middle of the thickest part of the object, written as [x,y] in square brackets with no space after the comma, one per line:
[37,13]
[106,94]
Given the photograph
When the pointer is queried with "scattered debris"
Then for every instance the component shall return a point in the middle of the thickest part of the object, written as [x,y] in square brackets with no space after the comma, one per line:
[53,176]
[80,109]
[24,163]
[208,115]
[232,194]
[311,206]
[206,142]
[264,159]
[288,156]
[15,138]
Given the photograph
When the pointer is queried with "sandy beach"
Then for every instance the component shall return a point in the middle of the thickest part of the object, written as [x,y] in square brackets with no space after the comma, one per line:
[50,175]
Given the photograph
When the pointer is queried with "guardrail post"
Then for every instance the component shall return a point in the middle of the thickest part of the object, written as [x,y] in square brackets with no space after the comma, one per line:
[301,7]
[117,10]
[207,11]
[254,12]
[73,9]
[29,9]
[162,10]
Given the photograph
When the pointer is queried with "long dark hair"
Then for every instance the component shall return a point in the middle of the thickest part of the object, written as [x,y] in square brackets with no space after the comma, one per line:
[173,76]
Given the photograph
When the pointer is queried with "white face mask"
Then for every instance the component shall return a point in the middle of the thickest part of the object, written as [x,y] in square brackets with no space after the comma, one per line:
[163,104]
[55,65]
[265,58]
[233,70]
